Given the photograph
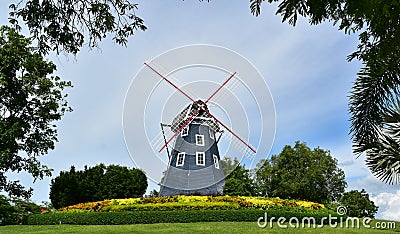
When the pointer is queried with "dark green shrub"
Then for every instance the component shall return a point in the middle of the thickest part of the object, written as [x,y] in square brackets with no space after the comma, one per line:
[7,211]
[14,211]
[95,184]
[358,204]
[134,217]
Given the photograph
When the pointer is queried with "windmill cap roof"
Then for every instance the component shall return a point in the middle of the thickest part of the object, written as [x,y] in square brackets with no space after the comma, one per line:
[202,116]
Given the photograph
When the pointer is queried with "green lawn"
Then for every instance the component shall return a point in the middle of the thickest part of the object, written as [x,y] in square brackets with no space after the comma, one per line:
[216,227]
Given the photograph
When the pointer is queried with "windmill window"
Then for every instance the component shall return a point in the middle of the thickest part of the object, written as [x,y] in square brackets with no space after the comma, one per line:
[200,158]
[185,131]
[199,140]
[181,159]
[211,133]
[216,164]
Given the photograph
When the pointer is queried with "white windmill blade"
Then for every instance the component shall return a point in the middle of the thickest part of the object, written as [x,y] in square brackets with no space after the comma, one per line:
[158,141]
[235,141]
[229,88]
[186,122]
[238,146]
[164,71]
[229,130]
[182,117]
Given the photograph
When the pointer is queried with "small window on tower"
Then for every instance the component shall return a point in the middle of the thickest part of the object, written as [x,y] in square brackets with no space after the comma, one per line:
[200,158]
[180,159]
[185,131]
[199,140]
[211,133]
[216,164]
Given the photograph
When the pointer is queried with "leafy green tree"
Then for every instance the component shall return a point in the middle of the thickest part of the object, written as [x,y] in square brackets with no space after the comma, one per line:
[89,184]
[228,165]
[24,208]
[46,206]
[7,211]
[374,100]
[64,189]
[14,210]
[67,25]
[121,182]
[301,173]
[263,178]
[97,183]
[31,100]
[358,204]
[239,181]
[154,193]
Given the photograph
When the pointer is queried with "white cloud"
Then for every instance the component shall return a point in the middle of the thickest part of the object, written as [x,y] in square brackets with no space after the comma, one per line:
[372,185]
[358,177]
[388,201]
[389,205]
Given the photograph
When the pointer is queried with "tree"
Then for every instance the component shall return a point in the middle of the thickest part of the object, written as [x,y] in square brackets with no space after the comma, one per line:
[65,190]
[301,173]
[31,101]
[263,177]
[121,182]
[153,193]
[228,165]
[67,25]
[239,181]
[90,182]
[7,211]
[374,100]
[95,184]
[14,211]
[358,204]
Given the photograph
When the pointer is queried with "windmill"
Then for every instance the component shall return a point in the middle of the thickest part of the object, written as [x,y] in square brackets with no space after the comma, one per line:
[194,165]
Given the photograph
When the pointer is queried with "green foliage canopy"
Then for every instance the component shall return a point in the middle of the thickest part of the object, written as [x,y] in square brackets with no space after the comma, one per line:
[31,100]
[14,210]
[239,181]
[358,204]
[301,173]
[6,211]
[96,183]
[65,25]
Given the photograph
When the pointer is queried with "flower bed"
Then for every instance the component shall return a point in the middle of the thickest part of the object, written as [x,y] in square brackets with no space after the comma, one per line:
[193,203]
[180,209]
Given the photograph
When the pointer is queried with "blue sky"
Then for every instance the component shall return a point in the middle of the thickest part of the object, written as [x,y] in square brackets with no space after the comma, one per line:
[305,68]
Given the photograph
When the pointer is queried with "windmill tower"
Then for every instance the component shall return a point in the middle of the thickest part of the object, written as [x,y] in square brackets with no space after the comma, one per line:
[194,164]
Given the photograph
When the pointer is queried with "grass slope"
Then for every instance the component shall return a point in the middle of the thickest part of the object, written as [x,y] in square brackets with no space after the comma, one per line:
[215,227]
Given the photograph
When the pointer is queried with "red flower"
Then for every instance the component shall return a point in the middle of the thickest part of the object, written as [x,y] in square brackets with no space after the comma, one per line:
[43,210]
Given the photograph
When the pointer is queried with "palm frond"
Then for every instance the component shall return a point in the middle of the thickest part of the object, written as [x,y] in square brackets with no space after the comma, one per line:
[384,160]
[255,7]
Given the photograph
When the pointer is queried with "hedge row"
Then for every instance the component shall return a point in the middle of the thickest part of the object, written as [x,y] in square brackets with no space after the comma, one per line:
[146,217]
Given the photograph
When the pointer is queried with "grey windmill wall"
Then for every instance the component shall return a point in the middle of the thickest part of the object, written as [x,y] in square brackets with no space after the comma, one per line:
[191,178]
